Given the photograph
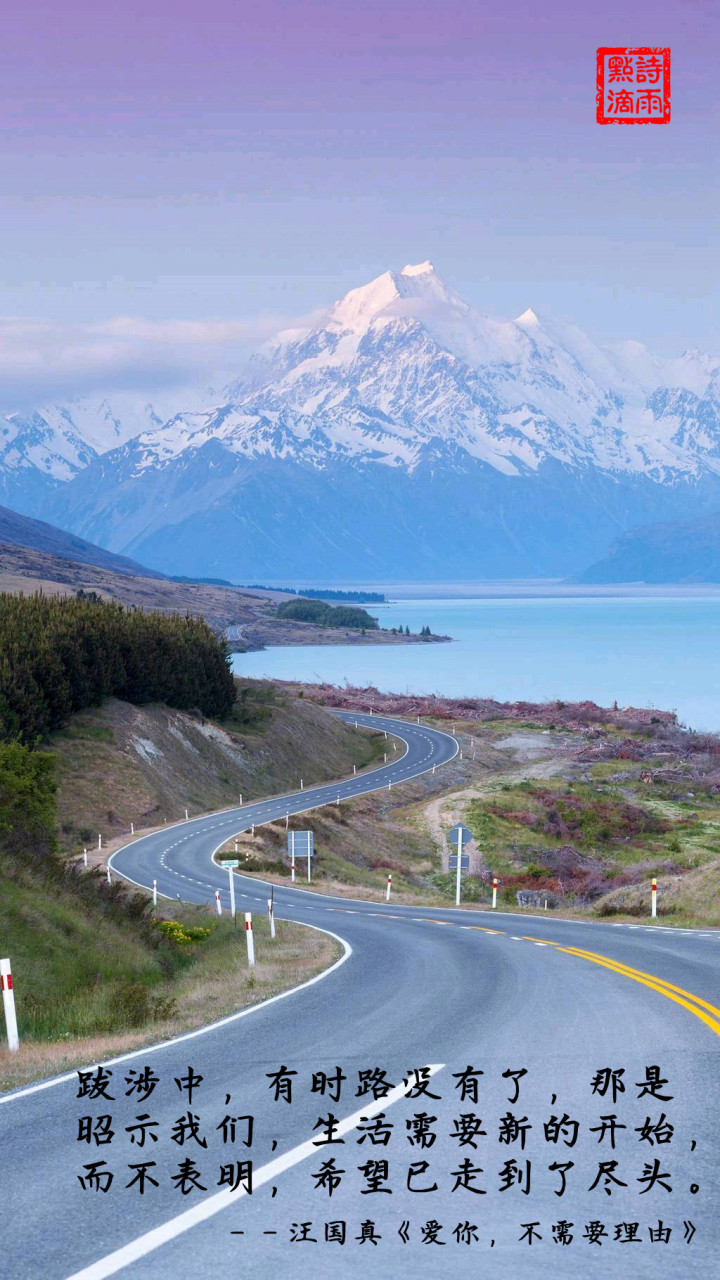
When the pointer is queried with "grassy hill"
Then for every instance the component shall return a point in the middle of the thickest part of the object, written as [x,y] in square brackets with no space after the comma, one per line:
[93,973]
[119,764]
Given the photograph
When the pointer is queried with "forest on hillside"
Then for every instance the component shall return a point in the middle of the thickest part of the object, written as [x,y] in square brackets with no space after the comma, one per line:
[58,656]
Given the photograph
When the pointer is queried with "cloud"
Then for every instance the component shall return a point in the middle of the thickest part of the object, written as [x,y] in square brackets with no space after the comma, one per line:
[42,361]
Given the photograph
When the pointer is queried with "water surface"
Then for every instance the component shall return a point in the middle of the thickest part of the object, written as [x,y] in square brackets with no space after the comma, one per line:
[640,651]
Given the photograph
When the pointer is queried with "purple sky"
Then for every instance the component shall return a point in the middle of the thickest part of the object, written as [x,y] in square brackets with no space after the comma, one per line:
[226,160]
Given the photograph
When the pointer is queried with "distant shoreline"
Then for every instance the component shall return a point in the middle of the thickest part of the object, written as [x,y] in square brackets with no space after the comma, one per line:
[546,588]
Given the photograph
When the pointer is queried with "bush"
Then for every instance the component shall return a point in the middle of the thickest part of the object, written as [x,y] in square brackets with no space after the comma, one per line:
[182,934]
[326,615]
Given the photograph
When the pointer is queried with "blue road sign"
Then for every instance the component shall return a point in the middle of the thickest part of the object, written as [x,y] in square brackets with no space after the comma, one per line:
[465,863]
[459,830]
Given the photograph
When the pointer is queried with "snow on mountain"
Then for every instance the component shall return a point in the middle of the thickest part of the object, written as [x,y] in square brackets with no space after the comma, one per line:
[395,366]
[404,363]
[550,443]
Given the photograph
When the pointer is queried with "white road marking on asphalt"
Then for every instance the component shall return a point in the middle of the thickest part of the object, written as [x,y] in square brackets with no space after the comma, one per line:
[207,1208]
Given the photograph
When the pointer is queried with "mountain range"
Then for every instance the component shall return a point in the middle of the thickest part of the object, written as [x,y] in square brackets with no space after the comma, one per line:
[686,551]
[402,436]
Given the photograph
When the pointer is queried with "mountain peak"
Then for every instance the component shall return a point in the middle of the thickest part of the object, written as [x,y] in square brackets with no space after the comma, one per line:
[528,317]
[422,269]
[411,291]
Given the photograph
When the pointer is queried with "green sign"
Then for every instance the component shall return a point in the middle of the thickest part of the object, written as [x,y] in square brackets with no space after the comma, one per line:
[230,862]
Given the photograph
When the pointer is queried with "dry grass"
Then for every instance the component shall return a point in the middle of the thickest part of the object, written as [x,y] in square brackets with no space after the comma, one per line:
[218,983]
[120,764]
[691,899]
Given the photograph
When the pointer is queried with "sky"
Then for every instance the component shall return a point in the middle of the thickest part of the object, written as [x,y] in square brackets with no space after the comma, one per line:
[208,172]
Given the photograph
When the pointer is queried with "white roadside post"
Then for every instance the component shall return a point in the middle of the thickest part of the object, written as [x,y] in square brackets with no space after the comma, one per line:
[389,887]
[292,856]
[354,768]
[186,816]
[154,893]
[252,829]
[132,828]
[231,877]
[241,797]
[218,903]
[302,784]
[287,821]
[249,938]
[271,917]
[653,897]
[9,1005]
[99,842]
[494,891]
[236,846]
[85,856]
[108,876]
[309,855]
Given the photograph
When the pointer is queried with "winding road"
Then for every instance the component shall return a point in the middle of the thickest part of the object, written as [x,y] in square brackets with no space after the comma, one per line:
[587,1010]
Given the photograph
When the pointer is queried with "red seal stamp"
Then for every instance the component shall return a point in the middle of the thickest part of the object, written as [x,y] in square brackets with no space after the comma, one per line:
[633,86]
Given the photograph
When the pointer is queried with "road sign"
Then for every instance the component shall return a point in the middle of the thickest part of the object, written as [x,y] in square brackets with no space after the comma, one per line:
[465,859]
[230,862]
[300,845]
[461,831]
[458,836]
[302,842]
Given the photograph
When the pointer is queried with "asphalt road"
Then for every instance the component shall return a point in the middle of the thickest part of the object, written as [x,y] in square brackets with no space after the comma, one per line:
[415,988]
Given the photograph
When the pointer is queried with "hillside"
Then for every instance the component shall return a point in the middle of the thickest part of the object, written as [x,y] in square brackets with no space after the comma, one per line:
[20,531]
[246,616]
[25,570]
[682,551]
[119,764]
[94,973]
[531,445]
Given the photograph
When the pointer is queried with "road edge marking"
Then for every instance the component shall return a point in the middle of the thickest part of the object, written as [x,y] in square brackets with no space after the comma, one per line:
[182,1222]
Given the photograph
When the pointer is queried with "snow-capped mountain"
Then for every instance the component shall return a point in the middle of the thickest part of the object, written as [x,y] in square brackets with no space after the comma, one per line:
[403,435]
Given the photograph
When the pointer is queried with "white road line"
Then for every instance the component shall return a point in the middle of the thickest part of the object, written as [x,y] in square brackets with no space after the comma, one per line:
[174,1227]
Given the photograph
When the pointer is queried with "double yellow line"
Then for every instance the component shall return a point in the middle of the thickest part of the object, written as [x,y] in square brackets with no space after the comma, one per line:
[702,1009]
[706,1012]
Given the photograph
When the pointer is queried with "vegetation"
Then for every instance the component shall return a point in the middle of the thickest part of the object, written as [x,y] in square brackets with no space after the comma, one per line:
[60,655]
[326,615]
[212,582]
[311,593]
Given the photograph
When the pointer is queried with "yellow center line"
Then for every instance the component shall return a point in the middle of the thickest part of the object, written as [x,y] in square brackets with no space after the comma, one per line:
[694,1004]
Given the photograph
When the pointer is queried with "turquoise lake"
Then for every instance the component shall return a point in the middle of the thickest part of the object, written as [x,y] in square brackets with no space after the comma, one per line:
[641,651]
